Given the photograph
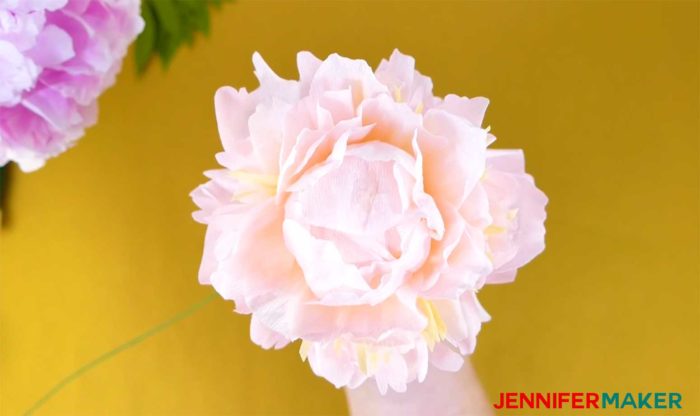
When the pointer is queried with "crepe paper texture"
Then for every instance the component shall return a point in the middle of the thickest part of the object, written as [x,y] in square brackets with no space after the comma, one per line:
[56,58]
[360,214]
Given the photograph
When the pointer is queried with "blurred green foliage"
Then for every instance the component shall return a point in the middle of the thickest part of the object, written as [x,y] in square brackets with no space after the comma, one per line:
[169,25]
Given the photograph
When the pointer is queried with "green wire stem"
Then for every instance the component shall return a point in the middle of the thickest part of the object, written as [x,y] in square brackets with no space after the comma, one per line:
[125,346]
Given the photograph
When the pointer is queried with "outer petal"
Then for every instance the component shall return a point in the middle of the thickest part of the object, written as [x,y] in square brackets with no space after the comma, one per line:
[405,83]
[466,267]
[339,73]
[233,108]
[308,64]
[396,316]
[472,109]
[253,266]
[453,156]
[519,236]
[266,127]
[336,363]
[350,363]
[271,85]
[444,358]
[393,123]
[264,336]
[463,319]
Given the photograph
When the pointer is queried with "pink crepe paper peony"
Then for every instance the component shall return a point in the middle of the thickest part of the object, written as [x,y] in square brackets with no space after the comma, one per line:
[361,214]
[56,58]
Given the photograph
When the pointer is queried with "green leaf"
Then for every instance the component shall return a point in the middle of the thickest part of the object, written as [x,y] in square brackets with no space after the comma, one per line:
[168,37]
[147,40]
[167,15]
[170,24]
[198,17]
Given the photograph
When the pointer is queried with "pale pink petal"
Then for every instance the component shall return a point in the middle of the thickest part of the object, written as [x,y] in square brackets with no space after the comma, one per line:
[264,336]
[271,85]
[307,64]
[336,363]
[466,268]
[391,123]
[472,109]
[405,83]
[440,250]
[356,196]
[233,108]
[463,318]
[444,358]
[453,156]
[339,73]
[321,322]
[519,211]
[314,147]
[323,266]
[266,126]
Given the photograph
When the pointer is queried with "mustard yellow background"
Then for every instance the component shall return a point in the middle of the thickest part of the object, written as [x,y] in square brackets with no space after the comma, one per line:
[603,97]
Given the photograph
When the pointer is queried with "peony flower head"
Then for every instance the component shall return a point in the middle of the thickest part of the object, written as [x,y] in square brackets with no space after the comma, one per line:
[360,214]
[56,58]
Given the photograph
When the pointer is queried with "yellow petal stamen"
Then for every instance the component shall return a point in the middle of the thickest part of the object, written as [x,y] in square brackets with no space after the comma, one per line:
[260,182]
[304,350]
[261,179]
[512,213]
[494,229]
[436,329]
[419,107]
[362,358]
[373,361]
[368,358]
[397,95]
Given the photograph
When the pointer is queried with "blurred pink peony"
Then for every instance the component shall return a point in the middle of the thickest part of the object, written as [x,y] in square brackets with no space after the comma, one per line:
[56,58]
[361,214]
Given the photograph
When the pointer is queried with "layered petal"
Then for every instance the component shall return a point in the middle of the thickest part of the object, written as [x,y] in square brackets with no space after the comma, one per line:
[516,235]
[17,74]
[454,154]
[406,84]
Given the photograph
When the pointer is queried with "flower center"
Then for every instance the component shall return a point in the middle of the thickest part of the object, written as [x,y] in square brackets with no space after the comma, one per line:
[255,184]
